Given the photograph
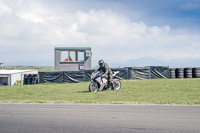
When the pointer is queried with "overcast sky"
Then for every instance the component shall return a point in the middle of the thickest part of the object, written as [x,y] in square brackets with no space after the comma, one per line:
[117,30]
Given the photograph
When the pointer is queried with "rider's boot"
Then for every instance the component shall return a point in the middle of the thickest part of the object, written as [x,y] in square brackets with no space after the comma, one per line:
[109,86]
[112,87]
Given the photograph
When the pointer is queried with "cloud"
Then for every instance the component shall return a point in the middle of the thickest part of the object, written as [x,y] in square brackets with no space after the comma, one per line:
[111,36]
[4,9]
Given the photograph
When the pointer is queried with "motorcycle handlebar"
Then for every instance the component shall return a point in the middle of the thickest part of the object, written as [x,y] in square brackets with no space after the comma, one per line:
[100,74]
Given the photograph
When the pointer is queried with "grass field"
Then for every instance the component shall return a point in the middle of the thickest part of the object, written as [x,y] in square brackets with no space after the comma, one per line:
[157,91]
[39,68]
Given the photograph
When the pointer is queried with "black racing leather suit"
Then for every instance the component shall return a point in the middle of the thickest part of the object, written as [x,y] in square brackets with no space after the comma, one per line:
[107,71]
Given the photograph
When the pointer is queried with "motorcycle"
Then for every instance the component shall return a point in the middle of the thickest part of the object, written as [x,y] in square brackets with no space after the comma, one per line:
[100,82]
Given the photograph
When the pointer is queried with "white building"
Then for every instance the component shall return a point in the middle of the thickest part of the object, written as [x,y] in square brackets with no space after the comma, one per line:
[9,77]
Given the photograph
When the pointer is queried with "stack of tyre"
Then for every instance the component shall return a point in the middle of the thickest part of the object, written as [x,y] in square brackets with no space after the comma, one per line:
[188,72]
[179,72]
[30,79]
[196,72]
[172,73]
[184,72]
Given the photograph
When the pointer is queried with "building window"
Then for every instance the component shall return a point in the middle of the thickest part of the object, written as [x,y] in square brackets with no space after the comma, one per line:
[80,56]
[64,56]
[72,55]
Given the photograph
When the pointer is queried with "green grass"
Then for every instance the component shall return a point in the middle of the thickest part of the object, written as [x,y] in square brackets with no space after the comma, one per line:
[39,68]
[157,91]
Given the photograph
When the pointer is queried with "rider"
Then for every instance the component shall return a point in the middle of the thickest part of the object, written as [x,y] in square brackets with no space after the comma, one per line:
[103,67]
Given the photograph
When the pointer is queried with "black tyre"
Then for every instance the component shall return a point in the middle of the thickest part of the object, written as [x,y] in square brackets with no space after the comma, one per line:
[93,87]
[116,84]
[196,69]
[197,75]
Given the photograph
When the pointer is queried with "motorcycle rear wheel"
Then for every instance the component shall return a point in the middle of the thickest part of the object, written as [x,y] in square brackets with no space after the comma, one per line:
[93,87]
[116,84]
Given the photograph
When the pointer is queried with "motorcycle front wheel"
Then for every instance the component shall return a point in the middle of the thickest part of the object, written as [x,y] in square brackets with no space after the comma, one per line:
[93,87]
[116,84]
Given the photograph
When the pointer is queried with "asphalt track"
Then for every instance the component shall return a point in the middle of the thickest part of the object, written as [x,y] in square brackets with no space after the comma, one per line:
[76,118]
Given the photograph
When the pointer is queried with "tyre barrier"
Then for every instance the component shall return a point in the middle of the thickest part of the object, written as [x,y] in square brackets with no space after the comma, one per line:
[172,73]
[30,79]
[187,72]
[179,72]
[149,72]
[196,72]
[184,72]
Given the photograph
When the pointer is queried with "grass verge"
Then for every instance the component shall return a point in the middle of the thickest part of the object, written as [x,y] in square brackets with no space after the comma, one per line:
[155,91]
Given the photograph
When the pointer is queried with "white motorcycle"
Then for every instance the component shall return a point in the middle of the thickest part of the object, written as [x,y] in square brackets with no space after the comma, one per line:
[100,82]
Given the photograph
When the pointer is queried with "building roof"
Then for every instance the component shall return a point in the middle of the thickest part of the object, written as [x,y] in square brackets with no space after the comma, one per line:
[1,63]
[15,71]
[72,48]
